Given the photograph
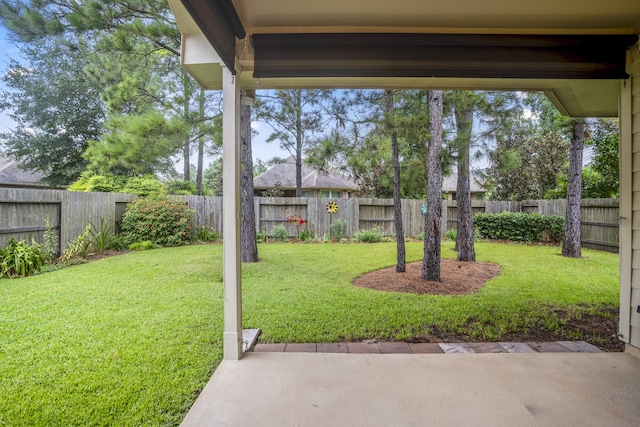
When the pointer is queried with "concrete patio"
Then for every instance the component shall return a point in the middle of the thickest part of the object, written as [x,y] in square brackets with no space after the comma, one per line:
[491,389]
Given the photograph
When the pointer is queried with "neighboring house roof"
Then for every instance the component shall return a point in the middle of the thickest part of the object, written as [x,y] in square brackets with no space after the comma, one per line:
[11,174]
[312,178]
[476,182]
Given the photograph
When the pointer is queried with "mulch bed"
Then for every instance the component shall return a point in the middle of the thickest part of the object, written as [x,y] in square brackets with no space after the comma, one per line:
[458,278]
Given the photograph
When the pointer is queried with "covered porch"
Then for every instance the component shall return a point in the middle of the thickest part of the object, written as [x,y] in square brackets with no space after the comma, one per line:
[582,53]
[332,389]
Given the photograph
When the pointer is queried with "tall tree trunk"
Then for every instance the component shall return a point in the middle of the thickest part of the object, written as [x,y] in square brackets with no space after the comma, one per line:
[397,204]
[248,245]
[571,247]
[200,169]
[463,106]
[298,143]
[431,258]
[186,149]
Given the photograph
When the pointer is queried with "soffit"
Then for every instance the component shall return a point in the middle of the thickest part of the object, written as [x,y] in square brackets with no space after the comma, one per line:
[574,97]
[262,16]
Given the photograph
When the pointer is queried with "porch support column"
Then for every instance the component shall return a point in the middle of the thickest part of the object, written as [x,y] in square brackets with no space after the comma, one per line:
[231,216]
[625,209]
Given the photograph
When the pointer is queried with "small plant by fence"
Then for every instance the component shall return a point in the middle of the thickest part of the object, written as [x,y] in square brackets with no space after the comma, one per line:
[23,213]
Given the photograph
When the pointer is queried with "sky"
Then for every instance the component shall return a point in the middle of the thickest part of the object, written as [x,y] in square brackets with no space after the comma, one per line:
[7,51]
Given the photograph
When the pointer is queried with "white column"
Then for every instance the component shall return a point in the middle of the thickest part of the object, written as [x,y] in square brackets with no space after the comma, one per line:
[626,214]
[231,216]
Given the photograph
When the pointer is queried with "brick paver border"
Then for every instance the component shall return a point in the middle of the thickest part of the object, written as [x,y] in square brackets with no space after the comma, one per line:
[396,347]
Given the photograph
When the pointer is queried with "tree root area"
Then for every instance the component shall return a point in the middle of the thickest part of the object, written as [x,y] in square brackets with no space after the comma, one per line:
[458,278]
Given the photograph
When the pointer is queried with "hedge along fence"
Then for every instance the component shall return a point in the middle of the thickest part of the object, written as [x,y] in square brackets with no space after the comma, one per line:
[520,227]
[23,213]
[599,227]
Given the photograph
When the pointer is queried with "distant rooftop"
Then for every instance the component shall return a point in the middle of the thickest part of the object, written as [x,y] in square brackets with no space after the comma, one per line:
[312,178]
[476,182]
[11,175]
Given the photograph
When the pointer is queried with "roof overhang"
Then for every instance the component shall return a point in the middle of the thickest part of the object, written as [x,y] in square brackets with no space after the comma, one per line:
[575,50]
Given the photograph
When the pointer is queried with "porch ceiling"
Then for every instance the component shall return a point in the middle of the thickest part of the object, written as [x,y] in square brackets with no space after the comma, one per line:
[205,24]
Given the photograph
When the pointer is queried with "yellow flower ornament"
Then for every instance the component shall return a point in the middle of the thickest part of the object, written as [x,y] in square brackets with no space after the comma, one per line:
[332,207]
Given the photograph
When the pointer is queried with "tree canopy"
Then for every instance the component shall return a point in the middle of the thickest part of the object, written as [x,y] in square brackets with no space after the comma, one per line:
[128,52]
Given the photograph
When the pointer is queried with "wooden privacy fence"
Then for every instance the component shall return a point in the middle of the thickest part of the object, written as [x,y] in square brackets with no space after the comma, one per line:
[23,213]
[358,214]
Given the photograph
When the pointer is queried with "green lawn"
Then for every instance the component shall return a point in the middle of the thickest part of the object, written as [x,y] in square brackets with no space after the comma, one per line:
[132,339]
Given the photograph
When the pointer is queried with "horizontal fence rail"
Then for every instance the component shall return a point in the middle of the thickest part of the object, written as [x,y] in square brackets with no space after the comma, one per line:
[23,213]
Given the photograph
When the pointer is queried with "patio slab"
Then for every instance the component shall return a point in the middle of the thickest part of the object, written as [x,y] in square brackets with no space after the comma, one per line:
[492,389]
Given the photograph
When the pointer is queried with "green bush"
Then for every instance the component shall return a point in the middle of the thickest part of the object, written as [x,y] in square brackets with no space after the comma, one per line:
[89,182]
[306,235]
[368,236]
[159,220]
[143,246]
[451,234]
[20,259]
[519,227]
[143,186]
[338,229]
[280,234]
[184,188]
[262,236]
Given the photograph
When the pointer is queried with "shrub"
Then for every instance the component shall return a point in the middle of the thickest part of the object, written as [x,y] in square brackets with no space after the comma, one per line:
[554,228]
[184,188]
[262,236]
[338,229]
[519,227]
[306,235]
[161,221]
[143,246]
[20,259]
[369,236]
[118,243]
[280,233]
[451,234]
[89,182]
[143,186]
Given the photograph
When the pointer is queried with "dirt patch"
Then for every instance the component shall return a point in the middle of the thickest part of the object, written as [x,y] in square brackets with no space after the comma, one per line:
[458,278]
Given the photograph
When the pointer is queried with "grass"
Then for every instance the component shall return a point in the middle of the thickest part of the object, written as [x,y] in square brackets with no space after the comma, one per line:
[132,339]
